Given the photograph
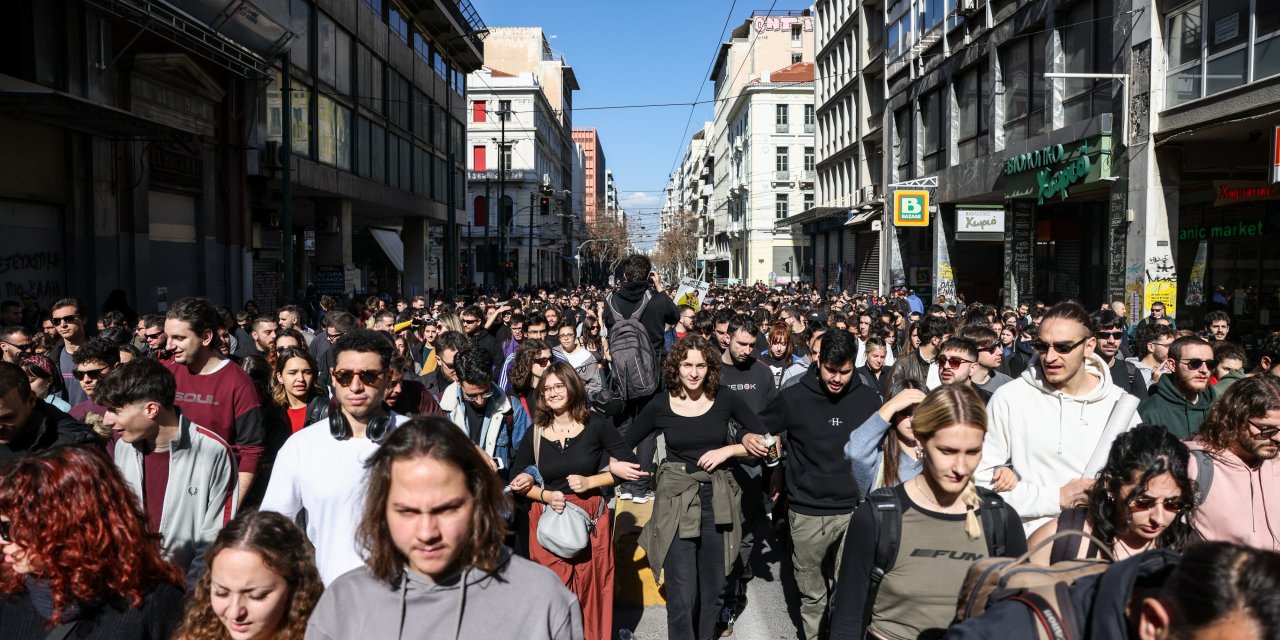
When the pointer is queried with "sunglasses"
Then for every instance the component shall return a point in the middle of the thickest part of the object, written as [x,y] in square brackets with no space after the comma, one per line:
[952,362]
[333,337]
[92,374]
[1110,335]
[471,321]
[1063,348]
[478,396]
[22,348]
[67,319]
[1194,364]
[1145,502]
[541,362]
[369,377]
[153,336]
[1268,433]
[991,349]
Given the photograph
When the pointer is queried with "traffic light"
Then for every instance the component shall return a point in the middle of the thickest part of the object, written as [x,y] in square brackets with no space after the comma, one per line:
[787,266]
[544,205]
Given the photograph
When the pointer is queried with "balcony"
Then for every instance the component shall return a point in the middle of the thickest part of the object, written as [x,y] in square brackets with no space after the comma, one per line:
[782,128]
[781,176]
[808,127]
[808,175]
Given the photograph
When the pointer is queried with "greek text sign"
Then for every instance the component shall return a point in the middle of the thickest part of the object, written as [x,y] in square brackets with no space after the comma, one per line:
[979,220]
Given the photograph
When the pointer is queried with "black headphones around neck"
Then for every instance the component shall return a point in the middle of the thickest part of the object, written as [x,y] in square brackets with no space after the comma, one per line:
[378,430]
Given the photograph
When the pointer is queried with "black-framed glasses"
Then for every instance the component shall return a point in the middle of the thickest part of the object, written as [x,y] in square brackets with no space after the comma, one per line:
[70,318]
[1194,364]
[1268,433]
[472,397]
[21,348]
[446,365]
[542,362]
[471,321]
[333,337]
[1042,347]
[368,377]
[92,374]
[1145,502]
[953,362]
[1110,335]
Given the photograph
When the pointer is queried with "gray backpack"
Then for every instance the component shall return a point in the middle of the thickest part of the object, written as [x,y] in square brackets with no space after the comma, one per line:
[634,363]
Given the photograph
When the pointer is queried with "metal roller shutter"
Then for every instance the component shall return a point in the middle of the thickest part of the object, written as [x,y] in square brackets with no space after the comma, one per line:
[849,259]
[868,261]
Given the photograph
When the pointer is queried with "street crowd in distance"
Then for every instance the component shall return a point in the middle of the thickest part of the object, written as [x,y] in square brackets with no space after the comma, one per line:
[450,468]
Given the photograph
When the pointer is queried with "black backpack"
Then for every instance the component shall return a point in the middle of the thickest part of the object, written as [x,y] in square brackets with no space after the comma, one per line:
[887,512]
[634,363]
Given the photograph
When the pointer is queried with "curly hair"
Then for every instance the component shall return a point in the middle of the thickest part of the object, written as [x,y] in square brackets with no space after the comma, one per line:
[575,392]
[436,438]
[521,372]
[1227,421]
[70,508]
[284,549]
[671,366]
[1138,455]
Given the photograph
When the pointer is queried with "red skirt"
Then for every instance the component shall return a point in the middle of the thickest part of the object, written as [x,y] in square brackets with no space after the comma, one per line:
[589,575]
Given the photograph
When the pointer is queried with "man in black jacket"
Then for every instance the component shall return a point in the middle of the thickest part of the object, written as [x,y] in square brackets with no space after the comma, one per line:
[28,424]
[817,415]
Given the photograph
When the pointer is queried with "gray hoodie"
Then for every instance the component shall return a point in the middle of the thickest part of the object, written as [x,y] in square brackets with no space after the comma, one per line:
[520,599]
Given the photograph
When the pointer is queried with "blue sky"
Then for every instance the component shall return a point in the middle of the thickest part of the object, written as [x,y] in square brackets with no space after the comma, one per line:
[626,53]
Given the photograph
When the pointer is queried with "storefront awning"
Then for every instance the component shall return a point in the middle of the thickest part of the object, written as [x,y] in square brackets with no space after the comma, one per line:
[391,245]
[811,215]
[862,217]
[37,102]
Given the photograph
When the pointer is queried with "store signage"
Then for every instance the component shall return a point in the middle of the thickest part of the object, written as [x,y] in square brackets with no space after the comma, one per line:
[1034,160]
[1233,191]
[1237,230]
[910,208]
[979,220]
[1049,184]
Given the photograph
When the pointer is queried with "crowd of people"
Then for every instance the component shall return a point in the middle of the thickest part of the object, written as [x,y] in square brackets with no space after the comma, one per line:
[432,468]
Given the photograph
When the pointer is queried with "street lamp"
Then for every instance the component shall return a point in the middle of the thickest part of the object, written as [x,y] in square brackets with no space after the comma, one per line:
[451,233]
[1124,95]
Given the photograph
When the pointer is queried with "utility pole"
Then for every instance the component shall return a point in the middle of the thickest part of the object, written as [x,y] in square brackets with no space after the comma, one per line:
[503,114]
[488,222]
[286,176]
[529,253]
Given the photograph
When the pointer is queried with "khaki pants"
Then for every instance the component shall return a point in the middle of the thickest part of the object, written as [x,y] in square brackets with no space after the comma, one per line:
[817,543]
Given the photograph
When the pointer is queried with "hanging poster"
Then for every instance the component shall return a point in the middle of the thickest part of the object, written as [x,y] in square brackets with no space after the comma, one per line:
[1195,284]
[692,292]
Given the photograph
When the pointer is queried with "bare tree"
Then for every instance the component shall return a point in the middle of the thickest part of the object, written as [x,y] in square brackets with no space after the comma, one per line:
[676,252]
[610,242]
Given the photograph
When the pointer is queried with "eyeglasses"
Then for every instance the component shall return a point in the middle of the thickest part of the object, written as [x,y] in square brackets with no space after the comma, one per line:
[953,362]
[153,336]
[1061,347]
[1110,335]
[446,365]
[92,374]
[1268,433]
[1145,502]
[994,347]
[557,387]
[472,397]
[368,377]
[5,529]
[22,348]
[542,362]
[333,337]
[70,318]
[471,321]
[1194,364]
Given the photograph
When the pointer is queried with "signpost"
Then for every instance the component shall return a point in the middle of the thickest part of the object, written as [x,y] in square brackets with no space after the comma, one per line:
[910,208]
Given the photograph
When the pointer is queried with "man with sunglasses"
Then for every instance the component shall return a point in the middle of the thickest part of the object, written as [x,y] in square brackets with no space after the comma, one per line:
[1052,422]
[27,423]
[474,404]
[15,342]
[1234,461]
[1111,337]
[957,359]
[448,346]
[987,374]
[97,358]
[69,324]
[1180,399]
[1153,342]
[323,471]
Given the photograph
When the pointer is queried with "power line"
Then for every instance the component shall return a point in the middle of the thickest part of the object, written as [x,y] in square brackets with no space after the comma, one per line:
[702,83]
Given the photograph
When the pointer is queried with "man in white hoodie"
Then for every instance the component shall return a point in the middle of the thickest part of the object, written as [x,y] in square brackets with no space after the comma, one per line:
[1055,423]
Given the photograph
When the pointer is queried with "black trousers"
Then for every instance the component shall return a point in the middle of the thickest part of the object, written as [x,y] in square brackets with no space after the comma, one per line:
[645,451]
[695,579]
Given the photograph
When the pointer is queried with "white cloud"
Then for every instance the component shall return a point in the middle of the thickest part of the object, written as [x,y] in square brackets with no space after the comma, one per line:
[640,201]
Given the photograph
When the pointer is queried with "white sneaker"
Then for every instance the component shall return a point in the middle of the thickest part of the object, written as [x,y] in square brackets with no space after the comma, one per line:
[641,499]
[624,495]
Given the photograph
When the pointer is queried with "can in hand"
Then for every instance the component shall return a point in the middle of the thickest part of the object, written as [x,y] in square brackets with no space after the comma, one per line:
[771,459]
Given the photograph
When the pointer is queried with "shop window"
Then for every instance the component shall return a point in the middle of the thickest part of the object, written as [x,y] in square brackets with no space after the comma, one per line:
[970,94]
[1086,48]
[1022,74]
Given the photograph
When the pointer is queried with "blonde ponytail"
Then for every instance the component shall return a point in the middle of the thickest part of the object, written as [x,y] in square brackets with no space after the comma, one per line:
[969,496]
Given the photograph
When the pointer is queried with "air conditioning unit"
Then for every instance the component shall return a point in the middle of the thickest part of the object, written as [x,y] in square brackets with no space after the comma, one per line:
[967,7]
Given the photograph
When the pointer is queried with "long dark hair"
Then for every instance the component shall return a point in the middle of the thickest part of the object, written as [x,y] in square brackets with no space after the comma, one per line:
[1140,454]
[893,450]
[575,391]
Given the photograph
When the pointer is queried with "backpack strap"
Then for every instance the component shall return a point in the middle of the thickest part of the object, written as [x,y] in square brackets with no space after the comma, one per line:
[1049,622]
[887,512]
[1204,474]
[644,302]
[1133,373]
[995,522]
[613,309]
[1068,547]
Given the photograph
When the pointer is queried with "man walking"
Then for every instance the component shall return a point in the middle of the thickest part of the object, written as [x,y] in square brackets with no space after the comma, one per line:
[68,322]
[1110,335]
[1180,399]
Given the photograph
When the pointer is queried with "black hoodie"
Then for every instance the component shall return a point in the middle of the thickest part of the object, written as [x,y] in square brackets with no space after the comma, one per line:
[817,426]
[48,427]
[660,312]
[1098,601]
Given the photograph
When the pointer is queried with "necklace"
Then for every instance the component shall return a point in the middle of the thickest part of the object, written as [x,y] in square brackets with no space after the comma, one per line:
[929,496]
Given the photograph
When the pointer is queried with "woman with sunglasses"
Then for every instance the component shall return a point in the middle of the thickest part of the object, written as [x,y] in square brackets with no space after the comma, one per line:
[573,445]
[592,340]
[530,362]
[45,379]
[1142,500]
[694,418]
[79,559]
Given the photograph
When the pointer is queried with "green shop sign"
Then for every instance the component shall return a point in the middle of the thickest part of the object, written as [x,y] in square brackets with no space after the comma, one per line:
[1236,230]
[1045,173]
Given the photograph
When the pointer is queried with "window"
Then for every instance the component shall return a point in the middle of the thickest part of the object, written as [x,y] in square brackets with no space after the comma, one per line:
[377,152]
[504,159]
[932,14]
[893,41]
[1086,47]
[376,5]
[808,118]
[478,110]
[398,100]
[504,110]
[1022,69]
[932,111]
[300,46]
[782,163]
[808,200]
[362,148]
[333,54]
[796,34]
[796,58]
[300,124]
[970,93]
[781,118]
[903,141]
[370,79]
[334,141]
[480,212]
[398,24]
[478,161]
[780,206]
[1266,46]
[1221,30]
[808,162]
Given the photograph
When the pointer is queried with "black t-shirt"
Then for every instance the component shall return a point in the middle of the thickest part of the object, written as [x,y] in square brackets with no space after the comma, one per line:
[690,437]
[752,383]
[584,454]
[475,421]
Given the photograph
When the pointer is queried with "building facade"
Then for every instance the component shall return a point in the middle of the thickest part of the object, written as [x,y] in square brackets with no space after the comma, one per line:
[594,172]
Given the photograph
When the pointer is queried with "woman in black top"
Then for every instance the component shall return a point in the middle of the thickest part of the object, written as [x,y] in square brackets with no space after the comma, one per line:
[573,445]
[694,418]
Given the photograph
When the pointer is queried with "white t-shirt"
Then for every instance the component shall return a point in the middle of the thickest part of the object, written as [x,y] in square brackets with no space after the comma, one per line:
[325,476]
